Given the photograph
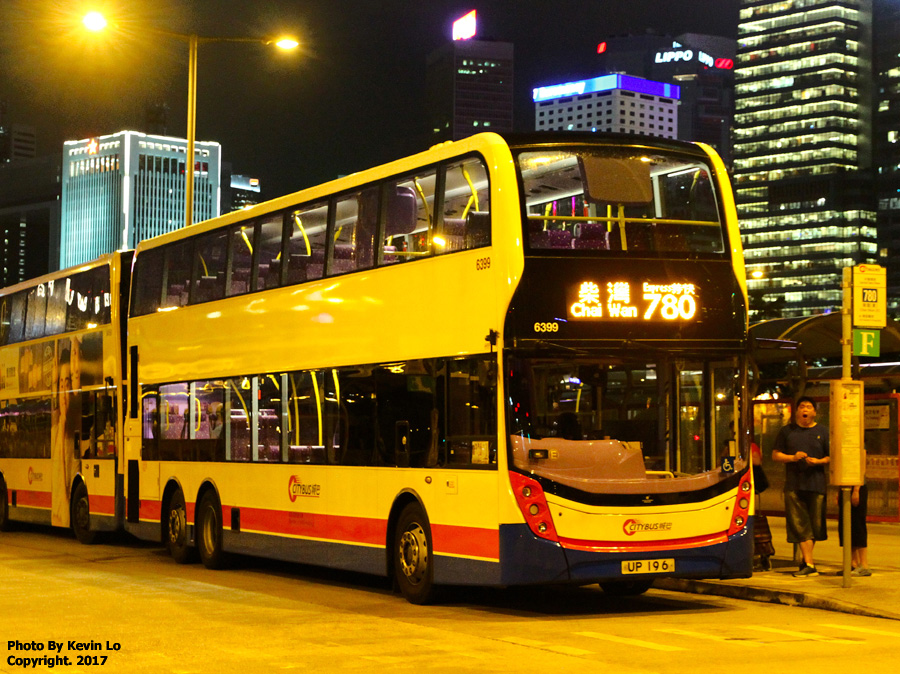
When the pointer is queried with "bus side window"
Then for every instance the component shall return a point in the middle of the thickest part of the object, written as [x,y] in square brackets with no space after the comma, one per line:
[150,424]
[466,219]
[306,244]
[409,215]
[471,412]
[268,258]
[17,317]
[306,441]
[209,267]
[147,282]
[269,418]
[354,234]
[241,260]
[177,274]
[36,313]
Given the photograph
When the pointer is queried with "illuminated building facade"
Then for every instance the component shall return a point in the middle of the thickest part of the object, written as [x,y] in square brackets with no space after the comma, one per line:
[120,189]
[803,150]
[469,86]
[617,103]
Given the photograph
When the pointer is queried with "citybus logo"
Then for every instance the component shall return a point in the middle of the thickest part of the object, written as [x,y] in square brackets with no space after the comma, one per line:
[633,527]
[34,477]
[296,488]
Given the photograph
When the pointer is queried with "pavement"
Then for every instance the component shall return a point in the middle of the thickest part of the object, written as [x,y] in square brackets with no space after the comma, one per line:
[877,595]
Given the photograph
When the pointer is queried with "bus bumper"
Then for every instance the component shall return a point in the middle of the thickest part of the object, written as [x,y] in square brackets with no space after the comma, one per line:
[526,559]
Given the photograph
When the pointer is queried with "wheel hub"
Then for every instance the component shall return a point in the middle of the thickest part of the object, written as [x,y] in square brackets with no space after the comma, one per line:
[414,553]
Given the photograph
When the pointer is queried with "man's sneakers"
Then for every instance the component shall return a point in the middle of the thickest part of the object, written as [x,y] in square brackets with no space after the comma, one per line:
[806,571]
[861,572]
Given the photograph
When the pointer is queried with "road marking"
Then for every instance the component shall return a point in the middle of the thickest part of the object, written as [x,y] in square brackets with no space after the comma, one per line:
[710,637]
[563,650]
[865,630]
[802,635]
[630,642]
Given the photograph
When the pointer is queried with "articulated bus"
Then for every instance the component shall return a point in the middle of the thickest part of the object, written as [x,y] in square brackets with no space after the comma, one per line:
[503,361]
[61,365]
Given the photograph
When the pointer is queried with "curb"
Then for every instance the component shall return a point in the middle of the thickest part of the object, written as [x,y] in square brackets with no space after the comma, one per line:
[766,595]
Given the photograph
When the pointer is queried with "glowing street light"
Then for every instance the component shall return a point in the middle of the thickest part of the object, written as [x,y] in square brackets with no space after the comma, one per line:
[96,22]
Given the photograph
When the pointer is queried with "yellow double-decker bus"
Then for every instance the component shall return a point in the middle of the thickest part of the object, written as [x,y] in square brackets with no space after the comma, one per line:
[501,361]
[61,365]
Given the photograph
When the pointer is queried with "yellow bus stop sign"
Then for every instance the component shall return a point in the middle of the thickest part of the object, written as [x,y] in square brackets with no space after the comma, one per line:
[869,296]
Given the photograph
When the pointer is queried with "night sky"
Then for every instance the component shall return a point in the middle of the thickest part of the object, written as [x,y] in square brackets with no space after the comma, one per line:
[351,97]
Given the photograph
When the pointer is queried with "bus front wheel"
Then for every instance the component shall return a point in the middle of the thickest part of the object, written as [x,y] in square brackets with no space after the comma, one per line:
[413,557]
[4,506]
[209,531]
[81,516]
[176,529]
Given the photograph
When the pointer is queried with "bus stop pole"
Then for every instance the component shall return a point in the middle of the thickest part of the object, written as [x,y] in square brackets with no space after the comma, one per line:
[846,353]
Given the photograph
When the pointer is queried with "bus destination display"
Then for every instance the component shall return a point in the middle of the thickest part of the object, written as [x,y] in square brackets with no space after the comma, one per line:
[626,300]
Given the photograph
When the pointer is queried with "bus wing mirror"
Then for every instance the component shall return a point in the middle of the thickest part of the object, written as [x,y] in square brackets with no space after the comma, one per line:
[618,181]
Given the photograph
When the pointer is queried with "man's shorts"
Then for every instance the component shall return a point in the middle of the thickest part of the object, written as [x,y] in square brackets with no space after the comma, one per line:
[805,516]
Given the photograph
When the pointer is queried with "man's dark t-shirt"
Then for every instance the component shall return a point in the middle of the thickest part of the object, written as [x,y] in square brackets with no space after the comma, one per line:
[800,476]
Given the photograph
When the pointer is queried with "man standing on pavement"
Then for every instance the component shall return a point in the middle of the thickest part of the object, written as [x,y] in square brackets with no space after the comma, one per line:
[803,447]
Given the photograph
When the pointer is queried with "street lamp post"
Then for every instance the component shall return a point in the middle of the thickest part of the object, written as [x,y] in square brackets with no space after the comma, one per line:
[95,21]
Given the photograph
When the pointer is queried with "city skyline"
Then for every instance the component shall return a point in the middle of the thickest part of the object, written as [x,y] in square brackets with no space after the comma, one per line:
[359,78]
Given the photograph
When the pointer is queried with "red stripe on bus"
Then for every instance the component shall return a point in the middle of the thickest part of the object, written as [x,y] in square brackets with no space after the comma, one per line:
[642,546]
[32,499]
[447,539]
[450,539]
[150,510]
[102,505]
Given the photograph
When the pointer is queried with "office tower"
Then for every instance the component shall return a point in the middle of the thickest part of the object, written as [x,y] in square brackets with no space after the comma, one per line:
[618,103]
[17,141]
[120,189]
[701,65]
[803,150]
[29,218]
[469,88]
[886,59]
[244,192]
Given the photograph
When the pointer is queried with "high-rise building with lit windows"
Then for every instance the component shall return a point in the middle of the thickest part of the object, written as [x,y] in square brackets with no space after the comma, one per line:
[469,88]
[803,150]
[120,189]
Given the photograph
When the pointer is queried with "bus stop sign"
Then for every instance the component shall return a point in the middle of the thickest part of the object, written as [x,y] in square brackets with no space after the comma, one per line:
[869,296]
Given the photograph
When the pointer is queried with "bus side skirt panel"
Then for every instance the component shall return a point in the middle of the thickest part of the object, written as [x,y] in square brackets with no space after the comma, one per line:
[526,559]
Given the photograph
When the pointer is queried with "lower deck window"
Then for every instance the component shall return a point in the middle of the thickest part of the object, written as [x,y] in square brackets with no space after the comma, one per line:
[419,413]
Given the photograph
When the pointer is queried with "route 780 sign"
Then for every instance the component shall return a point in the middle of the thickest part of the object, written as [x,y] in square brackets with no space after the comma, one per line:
[869,296]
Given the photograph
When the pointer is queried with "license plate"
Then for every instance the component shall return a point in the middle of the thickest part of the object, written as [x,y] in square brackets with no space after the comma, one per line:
[648,566]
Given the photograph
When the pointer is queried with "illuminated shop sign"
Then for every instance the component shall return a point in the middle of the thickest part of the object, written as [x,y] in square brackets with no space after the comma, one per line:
[607,83]
[625,300]
[464,28]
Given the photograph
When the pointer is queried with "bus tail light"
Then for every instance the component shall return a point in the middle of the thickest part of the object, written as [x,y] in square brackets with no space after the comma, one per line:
[741,511]
[533,504]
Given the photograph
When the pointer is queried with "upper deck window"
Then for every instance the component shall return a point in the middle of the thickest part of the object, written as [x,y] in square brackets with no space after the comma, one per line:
[619,199]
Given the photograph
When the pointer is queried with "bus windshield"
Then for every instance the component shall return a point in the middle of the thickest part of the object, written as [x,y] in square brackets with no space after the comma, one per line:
[618,426]
[625,199]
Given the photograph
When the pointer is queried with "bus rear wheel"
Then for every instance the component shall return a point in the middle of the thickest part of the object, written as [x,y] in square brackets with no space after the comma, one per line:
[4,506]
[176,529]
[413,555]
[209,531]
[80,516]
